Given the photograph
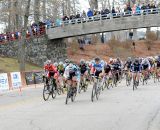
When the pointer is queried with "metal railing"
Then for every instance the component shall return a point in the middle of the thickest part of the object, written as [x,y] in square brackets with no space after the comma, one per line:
[109,16]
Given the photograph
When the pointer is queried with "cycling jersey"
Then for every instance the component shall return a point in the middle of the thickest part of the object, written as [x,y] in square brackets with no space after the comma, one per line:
[83,68]
[145,64]
[52,70]
[71,72]
[98,67]
[107,68]
[158,63]
[61,69]
[116,66]
[128,64]
[136,67]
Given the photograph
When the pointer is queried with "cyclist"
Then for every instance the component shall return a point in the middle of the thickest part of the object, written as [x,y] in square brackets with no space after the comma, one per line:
[116,68]
[107,68]
[127,65]
[157,65]
[98,67]
[71,75]
[146,66]
[136,69]
[50,70]
[61,68]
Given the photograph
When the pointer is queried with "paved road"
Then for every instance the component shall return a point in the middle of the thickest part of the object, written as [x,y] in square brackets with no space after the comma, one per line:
[118,109]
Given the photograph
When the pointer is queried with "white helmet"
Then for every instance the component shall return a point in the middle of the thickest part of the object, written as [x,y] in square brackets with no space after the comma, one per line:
[55,64]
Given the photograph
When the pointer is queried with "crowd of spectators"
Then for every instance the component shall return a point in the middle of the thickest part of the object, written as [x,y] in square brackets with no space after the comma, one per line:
[40,28]
[32,31]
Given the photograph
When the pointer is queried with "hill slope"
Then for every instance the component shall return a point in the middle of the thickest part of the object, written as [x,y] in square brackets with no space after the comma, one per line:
[104,51]
[12,65]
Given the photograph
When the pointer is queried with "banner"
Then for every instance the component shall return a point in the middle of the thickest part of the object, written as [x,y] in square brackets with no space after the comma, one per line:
[38,77]
[16,79]
[29,78]
[4,85]
[34,77]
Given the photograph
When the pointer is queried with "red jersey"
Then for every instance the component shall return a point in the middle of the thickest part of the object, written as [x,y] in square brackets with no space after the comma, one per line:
[50,68]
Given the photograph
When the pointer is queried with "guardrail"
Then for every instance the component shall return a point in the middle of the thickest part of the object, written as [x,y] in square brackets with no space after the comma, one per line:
[109,16]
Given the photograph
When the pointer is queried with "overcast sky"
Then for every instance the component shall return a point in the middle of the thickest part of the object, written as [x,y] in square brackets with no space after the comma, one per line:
[84,5]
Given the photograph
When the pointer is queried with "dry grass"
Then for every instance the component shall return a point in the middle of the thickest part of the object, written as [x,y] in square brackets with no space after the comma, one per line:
[12,65]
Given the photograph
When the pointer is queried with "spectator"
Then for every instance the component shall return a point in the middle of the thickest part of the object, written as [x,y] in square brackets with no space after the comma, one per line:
[58,23]
[129,9]
[90,13]
[134,45]
[84,14]
[143,7]
[138,10]
[113,11]
[78,15]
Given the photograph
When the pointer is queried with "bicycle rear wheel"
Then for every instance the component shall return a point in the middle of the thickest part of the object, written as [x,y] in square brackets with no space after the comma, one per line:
[46,93]
[93,92]
[98,91]
[68,94]
[73,94]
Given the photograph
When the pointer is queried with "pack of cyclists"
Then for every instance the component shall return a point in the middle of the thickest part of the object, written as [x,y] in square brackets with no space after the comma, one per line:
[73,73]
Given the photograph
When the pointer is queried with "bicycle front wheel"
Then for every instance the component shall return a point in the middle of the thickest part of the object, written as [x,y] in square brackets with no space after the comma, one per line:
[46,93]
[54,93]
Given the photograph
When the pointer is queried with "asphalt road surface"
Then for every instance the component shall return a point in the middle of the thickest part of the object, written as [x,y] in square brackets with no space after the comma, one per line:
[117,109]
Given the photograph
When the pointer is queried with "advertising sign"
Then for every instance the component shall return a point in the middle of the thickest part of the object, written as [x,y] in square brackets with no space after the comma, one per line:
[4,85]
[34,77]
[16,79]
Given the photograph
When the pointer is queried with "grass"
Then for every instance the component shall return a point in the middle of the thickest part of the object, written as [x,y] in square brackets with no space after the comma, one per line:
[12,65]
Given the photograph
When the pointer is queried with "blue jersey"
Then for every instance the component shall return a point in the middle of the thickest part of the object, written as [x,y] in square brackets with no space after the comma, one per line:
[98,67]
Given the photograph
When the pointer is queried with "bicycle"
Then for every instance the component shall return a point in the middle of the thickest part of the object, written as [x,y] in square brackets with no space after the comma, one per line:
[157,75]
[60,85]
[49,88]
[145,76]
[71,92]
[96,90]
[135,82]
[83,84]
[128,78]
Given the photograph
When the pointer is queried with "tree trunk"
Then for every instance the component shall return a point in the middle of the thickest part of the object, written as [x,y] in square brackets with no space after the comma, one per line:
[44,10]
[22,42]
[36,10]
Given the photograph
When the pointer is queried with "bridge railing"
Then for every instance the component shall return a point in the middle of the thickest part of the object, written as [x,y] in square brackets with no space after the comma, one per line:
[110,16]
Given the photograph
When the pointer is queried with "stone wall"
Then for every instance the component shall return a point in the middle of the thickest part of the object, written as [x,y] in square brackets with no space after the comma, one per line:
[38,50]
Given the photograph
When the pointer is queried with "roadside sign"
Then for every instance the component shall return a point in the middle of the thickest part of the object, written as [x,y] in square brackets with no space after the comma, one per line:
[4,85]
[16,79]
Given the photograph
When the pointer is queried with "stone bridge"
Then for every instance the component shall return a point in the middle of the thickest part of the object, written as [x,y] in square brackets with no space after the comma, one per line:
[109,24]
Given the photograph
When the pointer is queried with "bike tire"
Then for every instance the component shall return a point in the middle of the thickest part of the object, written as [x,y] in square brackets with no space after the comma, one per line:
[54,93]
[80,88]
[59,90]
[93,92]
[67,97]
[46,96]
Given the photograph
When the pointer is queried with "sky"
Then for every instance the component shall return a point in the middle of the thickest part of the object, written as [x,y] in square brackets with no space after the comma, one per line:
[84,5]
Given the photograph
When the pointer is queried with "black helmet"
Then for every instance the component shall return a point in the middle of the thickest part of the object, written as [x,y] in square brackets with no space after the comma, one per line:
[97,59]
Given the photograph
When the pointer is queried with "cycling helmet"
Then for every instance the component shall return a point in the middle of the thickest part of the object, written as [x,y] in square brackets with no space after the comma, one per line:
[97,59]
[137,60]
[129,59]
[60,63]
[70,65]
[67,61]
[82,61]
[48,62]
[55,64]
